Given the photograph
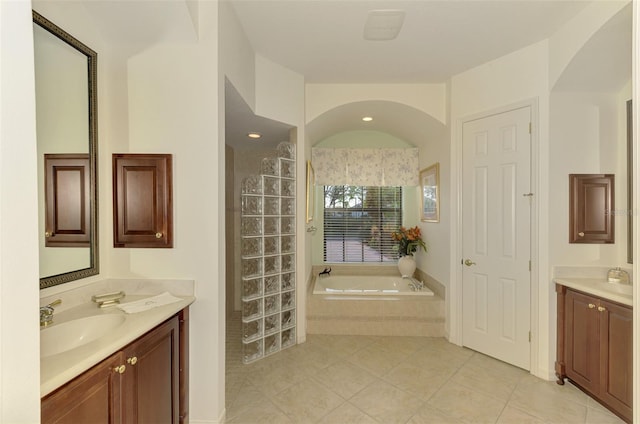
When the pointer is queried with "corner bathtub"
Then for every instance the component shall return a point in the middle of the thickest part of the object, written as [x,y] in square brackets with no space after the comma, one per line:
[360,285]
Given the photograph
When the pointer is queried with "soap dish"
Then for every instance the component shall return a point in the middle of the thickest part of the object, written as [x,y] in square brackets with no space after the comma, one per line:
[108,299]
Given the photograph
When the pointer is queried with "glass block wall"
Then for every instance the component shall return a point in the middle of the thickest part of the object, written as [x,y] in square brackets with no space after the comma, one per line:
[268,256]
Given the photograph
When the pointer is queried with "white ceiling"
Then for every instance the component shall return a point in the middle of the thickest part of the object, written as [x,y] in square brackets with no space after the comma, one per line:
[323,39]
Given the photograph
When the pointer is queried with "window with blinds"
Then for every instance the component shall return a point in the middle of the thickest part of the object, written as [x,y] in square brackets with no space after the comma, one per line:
[358,222]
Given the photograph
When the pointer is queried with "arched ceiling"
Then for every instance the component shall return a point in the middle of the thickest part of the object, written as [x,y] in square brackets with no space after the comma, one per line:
[603,64]
[397,119]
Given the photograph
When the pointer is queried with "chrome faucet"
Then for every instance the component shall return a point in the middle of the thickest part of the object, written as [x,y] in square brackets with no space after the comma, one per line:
[618,275]
[414,283]
[46,313]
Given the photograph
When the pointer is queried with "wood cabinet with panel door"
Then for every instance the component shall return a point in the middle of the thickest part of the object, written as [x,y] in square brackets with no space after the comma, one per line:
[142,200]
[594,348]
[145,382]
[591,208]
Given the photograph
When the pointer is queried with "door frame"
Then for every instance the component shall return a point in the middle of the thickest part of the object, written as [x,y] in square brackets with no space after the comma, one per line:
[454,295]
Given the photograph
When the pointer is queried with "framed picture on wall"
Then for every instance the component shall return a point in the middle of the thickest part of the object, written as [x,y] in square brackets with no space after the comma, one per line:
[430,193]
[311,183]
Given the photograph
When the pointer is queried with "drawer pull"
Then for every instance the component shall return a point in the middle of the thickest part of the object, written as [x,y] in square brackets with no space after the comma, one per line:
[133,360]
[120,369]
[591,306]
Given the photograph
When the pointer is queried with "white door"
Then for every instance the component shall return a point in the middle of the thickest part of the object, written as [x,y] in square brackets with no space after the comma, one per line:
[496,236]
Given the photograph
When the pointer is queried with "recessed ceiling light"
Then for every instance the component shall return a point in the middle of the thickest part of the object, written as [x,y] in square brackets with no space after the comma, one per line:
[254,135]
[367,118]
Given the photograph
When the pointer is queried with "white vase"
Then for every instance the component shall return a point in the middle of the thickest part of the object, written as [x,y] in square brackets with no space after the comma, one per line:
[407,265]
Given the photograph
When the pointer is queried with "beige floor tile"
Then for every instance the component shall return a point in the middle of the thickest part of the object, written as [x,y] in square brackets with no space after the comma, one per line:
[345,378]
[422,382]
[376,359]
[341,345]
[260,412]
[466,404]
[347,414]
[386,403]
[602,416]
[307,401]
[549,401]
[248,400]
[489,376]
[430,415]
[512,415]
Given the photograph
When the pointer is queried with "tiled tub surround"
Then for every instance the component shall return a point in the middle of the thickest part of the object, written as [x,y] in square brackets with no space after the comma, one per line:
[380,315]
[58,369]
[366,285]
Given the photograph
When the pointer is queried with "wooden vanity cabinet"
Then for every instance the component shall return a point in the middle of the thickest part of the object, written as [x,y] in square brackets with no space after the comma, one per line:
[594,348]
[145,382]
[93,397]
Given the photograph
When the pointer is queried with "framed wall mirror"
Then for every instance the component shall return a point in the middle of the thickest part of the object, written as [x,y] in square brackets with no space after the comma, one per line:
[66,124]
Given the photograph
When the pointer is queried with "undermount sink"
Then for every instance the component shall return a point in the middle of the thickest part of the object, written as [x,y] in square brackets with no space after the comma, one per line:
[72,334]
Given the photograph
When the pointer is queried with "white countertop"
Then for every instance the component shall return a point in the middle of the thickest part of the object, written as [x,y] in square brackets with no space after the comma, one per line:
[621,293]
[57,370]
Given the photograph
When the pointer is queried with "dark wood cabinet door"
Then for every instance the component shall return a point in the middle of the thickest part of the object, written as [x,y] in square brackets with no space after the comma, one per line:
[93,397]
[142,200]
[591,208]
[153,377]
[582,348]
[67,200]
[616,352]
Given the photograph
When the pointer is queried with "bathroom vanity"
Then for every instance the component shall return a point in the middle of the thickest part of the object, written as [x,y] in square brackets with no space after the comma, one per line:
[594,340]
[110,366]
[143,382]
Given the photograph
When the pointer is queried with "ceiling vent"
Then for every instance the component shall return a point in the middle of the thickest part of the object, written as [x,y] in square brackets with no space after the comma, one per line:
[383,25]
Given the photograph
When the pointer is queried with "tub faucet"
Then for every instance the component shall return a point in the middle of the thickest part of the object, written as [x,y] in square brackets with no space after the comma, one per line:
[46,313]
[327,271]
[414,283]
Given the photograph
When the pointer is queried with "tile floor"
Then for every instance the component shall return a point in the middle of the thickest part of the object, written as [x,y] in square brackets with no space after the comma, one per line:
[368,379]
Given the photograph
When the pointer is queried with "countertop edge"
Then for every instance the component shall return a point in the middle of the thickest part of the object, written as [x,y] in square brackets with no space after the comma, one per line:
[595,287]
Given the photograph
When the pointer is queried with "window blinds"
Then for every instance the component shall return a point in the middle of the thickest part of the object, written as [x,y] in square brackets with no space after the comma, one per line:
[358,222]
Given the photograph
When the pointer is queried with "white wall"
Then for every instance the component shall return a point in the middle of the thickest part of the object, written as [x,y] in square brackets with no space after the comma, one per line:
[585,138]
[19,333]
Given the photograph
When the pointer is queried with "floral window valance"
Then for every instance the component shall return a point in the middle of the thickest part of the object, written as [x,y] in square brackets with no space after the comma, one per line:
[366,167]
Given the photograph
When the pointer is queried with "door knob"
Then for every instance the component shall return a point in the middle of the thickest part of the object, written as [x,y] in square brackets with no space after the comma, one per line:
[469,262]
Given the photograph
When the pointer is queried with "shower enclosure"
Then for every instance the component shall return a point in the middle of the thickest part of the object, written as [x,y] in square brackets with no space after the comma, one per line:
[268,256]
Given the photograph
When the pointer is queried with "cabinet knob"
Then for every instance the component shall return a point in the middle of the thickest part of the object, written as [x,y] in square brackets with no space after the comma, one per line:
[133,360]
[48,234]
[581,234]
[601,308]
[158,235]
[120,369]
[591,306]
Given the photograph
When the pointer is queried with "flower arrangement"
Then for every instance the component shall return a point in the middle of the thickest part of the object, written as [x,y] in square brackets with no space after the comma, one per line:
[409,240]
